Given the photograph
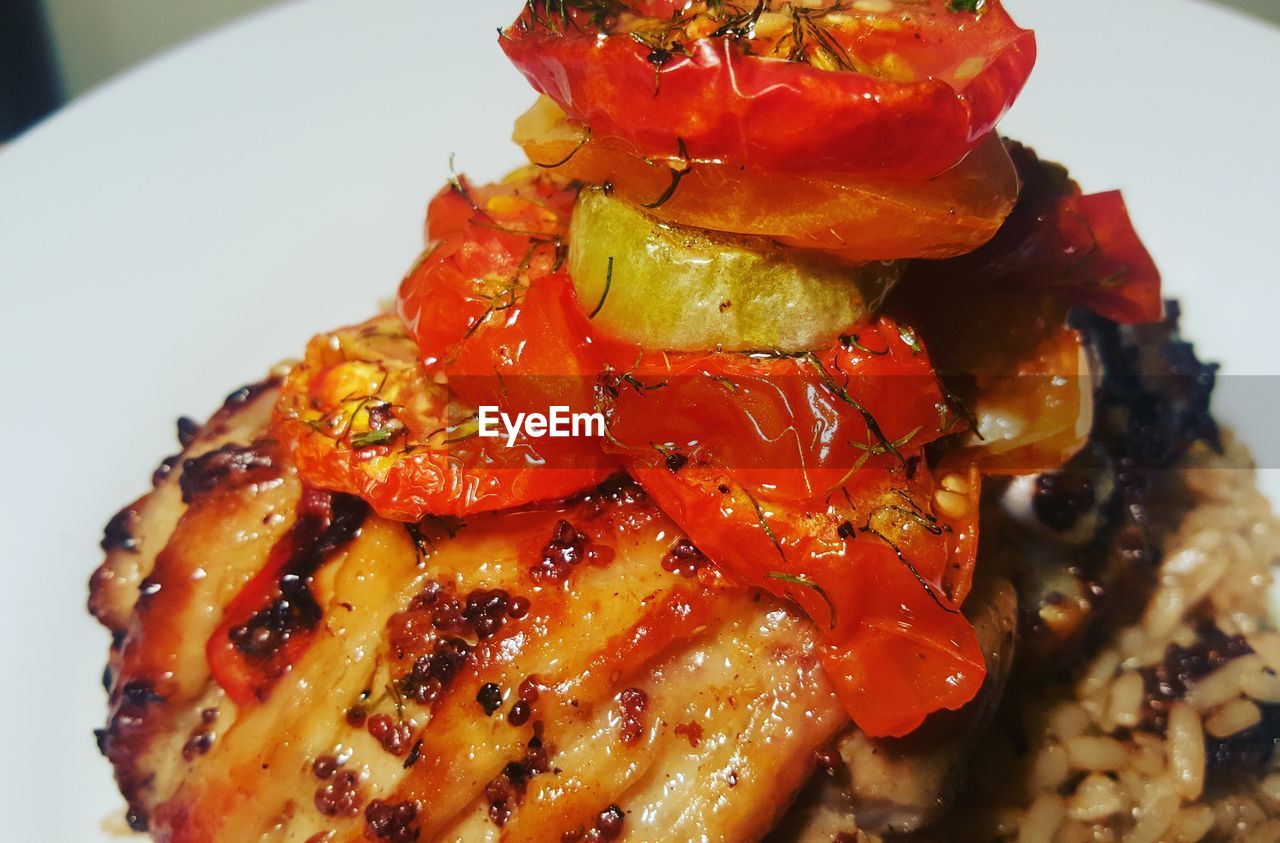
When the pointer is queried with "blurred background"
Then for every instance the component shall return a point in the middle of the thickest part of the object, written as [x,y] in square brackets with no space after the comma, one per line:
[52,51]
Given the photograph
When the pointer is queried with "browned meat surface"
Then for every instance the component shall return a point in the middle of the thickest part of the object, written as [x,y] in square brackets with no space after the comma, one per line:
[899,786]
[445,685]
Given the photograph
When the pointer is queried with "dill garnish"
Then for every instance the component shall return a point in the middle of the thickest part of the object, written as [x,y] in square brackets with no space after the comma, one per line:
[372,437]
[422,543]
[909,337]
[742,25]
[640,387]
[902,557]
[800,579]
[598,11]
[956,405]
[586,136]
[677,175]
[855,342]
[608,284]
[873,427]
[764,524]
[414,754]
[725,382]
[876,449]
[813,43]
[506,298]
[460,187]
[398,698]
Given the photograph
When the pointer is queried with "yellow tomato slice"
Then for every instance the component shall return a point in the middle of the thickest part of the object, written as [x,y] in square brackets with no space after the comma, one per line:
[951,214]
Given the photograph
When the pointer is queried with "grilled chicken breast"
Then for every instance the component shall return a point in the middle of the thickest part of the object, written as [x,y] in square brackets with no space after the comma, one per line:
[574,671]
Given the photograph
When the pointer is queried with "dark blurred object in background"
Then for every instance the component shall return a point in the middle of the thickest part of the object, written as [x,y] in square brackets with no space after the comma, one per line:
[29,87]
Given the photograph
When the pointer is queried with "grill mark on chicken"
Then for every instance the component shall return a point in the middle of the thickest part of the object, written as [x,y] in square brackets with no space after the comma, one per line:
[223,469]
[118,534]
[273,745]
[270,637]
[589,660]
[203,565]
[752,674]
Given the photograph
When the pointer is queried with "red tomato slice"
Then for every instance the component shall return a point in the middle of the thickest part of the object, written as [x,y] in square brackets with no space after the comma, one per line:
[873,564]
[491,306]
[362,415]
[903,92]
[802,424]
[486,245]
[1081,248]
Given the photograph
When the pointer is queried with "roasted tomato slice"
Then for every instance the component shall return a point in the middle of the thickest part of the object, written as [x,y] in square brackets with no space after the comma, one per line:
[800,425]
[905,89]
[1081,248]
[805,475]
[485,244]
[362,415]
[491,305]
[882,564]
[1031,394]
[853,219]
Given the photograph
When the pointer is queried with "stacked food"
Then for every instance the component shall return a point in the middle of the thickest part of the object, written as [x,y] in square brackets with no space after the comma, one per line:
[780,454]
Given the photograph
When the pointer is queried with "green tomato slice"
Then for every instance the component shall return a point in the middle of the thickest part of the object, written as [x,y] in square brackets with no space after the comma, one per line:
[675,288]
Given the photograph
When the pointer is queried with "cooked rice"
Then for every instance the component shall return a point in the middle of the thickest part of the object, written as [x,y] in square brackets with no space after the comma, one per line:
[1092,764]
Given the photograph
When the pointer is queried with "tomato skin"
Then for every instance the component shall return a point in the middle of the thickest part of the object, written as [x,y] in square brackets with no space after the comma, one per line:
[781,418]
[484,245]
[723,104]
[486,311]
[491,306]
[1081,248]
[464,479]
[1029,395]
[1119,255]
[820,556]
[421,460]
[1059,248]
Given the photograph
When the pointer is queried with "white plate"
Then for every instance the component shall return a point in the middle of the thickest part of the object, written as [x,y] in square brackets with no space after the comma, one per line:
[168,237]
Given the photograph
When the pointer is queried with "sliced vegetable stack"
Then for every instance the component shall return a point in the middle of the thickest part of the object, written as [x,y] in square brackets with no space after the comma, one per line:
[816,298]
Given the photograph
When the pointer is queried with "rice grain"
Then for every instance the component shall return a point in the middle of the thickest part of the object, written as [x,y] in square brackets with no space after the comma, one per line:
[1097,798]
[1096,753]
[1042,819]
[1186,751]
[1235,716]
